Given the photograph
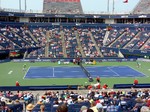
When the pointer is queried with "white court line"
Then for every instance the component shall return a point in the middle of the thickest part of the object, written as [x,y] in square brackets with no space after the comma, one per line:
[130,75]
[115,75]
[104,75]
[58,71]
[138,71]
[106,71]
[91,71]
[102,66]
[66,66]
[78,76]
[10,72]
[93,67]
[75,71]
[40,77]
[113,71]
[26,73]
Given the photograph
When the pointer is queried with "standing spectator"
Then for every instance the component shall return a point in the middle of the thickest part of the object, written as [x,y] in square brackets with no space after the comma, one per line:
[97,85]
[90,87]
[105,86]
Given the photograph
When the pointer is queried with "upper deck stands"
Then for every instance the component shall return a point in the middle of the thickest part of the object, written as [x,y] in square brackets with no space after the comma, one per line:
[143,7]
[62,6]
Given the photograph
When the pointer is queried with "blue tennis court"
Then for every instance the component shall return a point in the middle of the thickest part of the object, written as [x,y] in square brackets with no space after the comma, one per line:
[77,72]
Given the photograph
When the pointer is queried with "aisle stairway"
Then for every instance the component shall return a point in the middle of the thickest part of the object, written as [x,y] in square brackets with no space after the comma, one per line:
[32,36]
[79,44]
[48,36]
[63,44]
[106,37]
[97,48]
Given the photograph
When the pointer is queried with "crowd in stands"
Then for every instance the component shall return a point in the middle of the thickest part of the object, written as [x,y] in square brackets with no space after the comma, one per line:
[90,98]
[109,52]
[95,100]
[147,46]
[27,37]
[71,43]
[14,102]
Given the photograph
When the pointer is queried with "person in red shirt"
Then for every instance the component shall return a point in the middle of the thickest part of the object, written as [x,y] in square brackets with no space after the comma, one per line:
[17,83]
[90,87]
[136,82]
[105,86]
[98,86]
[148,102]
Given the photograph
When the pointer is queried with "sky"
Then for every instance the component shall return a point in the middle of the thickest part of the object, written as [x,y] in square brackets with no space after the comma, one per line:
[94,6]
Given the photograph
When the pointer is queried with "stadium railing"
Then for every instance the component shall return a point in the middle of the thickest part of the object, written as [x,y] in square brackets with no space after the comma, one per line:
[125,86]
[24,88]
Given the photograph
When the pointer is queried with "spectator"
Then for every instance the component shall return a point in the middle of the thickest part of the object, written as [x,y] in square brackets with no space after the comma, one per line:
[83,109]
[145,109]
[93,106]
[97,85]
[90,87]
[105,86]
[42,108]
[112,107]
[99,107]
[29,107]
[62,108]
[90,110]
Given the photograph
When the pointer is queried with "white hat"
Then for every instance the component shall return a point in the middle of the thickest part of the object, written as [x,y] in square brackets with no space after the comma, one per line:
[99,105]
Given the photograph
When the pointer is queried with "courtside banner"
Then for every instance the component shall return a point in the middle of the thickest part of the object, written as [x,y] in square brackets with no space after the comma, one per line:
[55,60]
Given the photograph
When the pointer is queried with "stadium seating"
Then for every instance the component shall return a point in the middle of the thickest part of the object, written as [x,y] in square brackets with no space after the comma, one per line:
[62,7]
[7,44]
[21,37]
[14,102]
[147,46]
[109,52]
[120,100]
[143,7]
[87,44]
[61,33]
[70,42]
[139,41]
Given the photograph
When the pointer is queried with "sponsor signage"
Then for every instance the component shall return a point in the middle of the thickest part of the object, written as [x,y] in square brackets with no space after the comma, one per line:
[39,15]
